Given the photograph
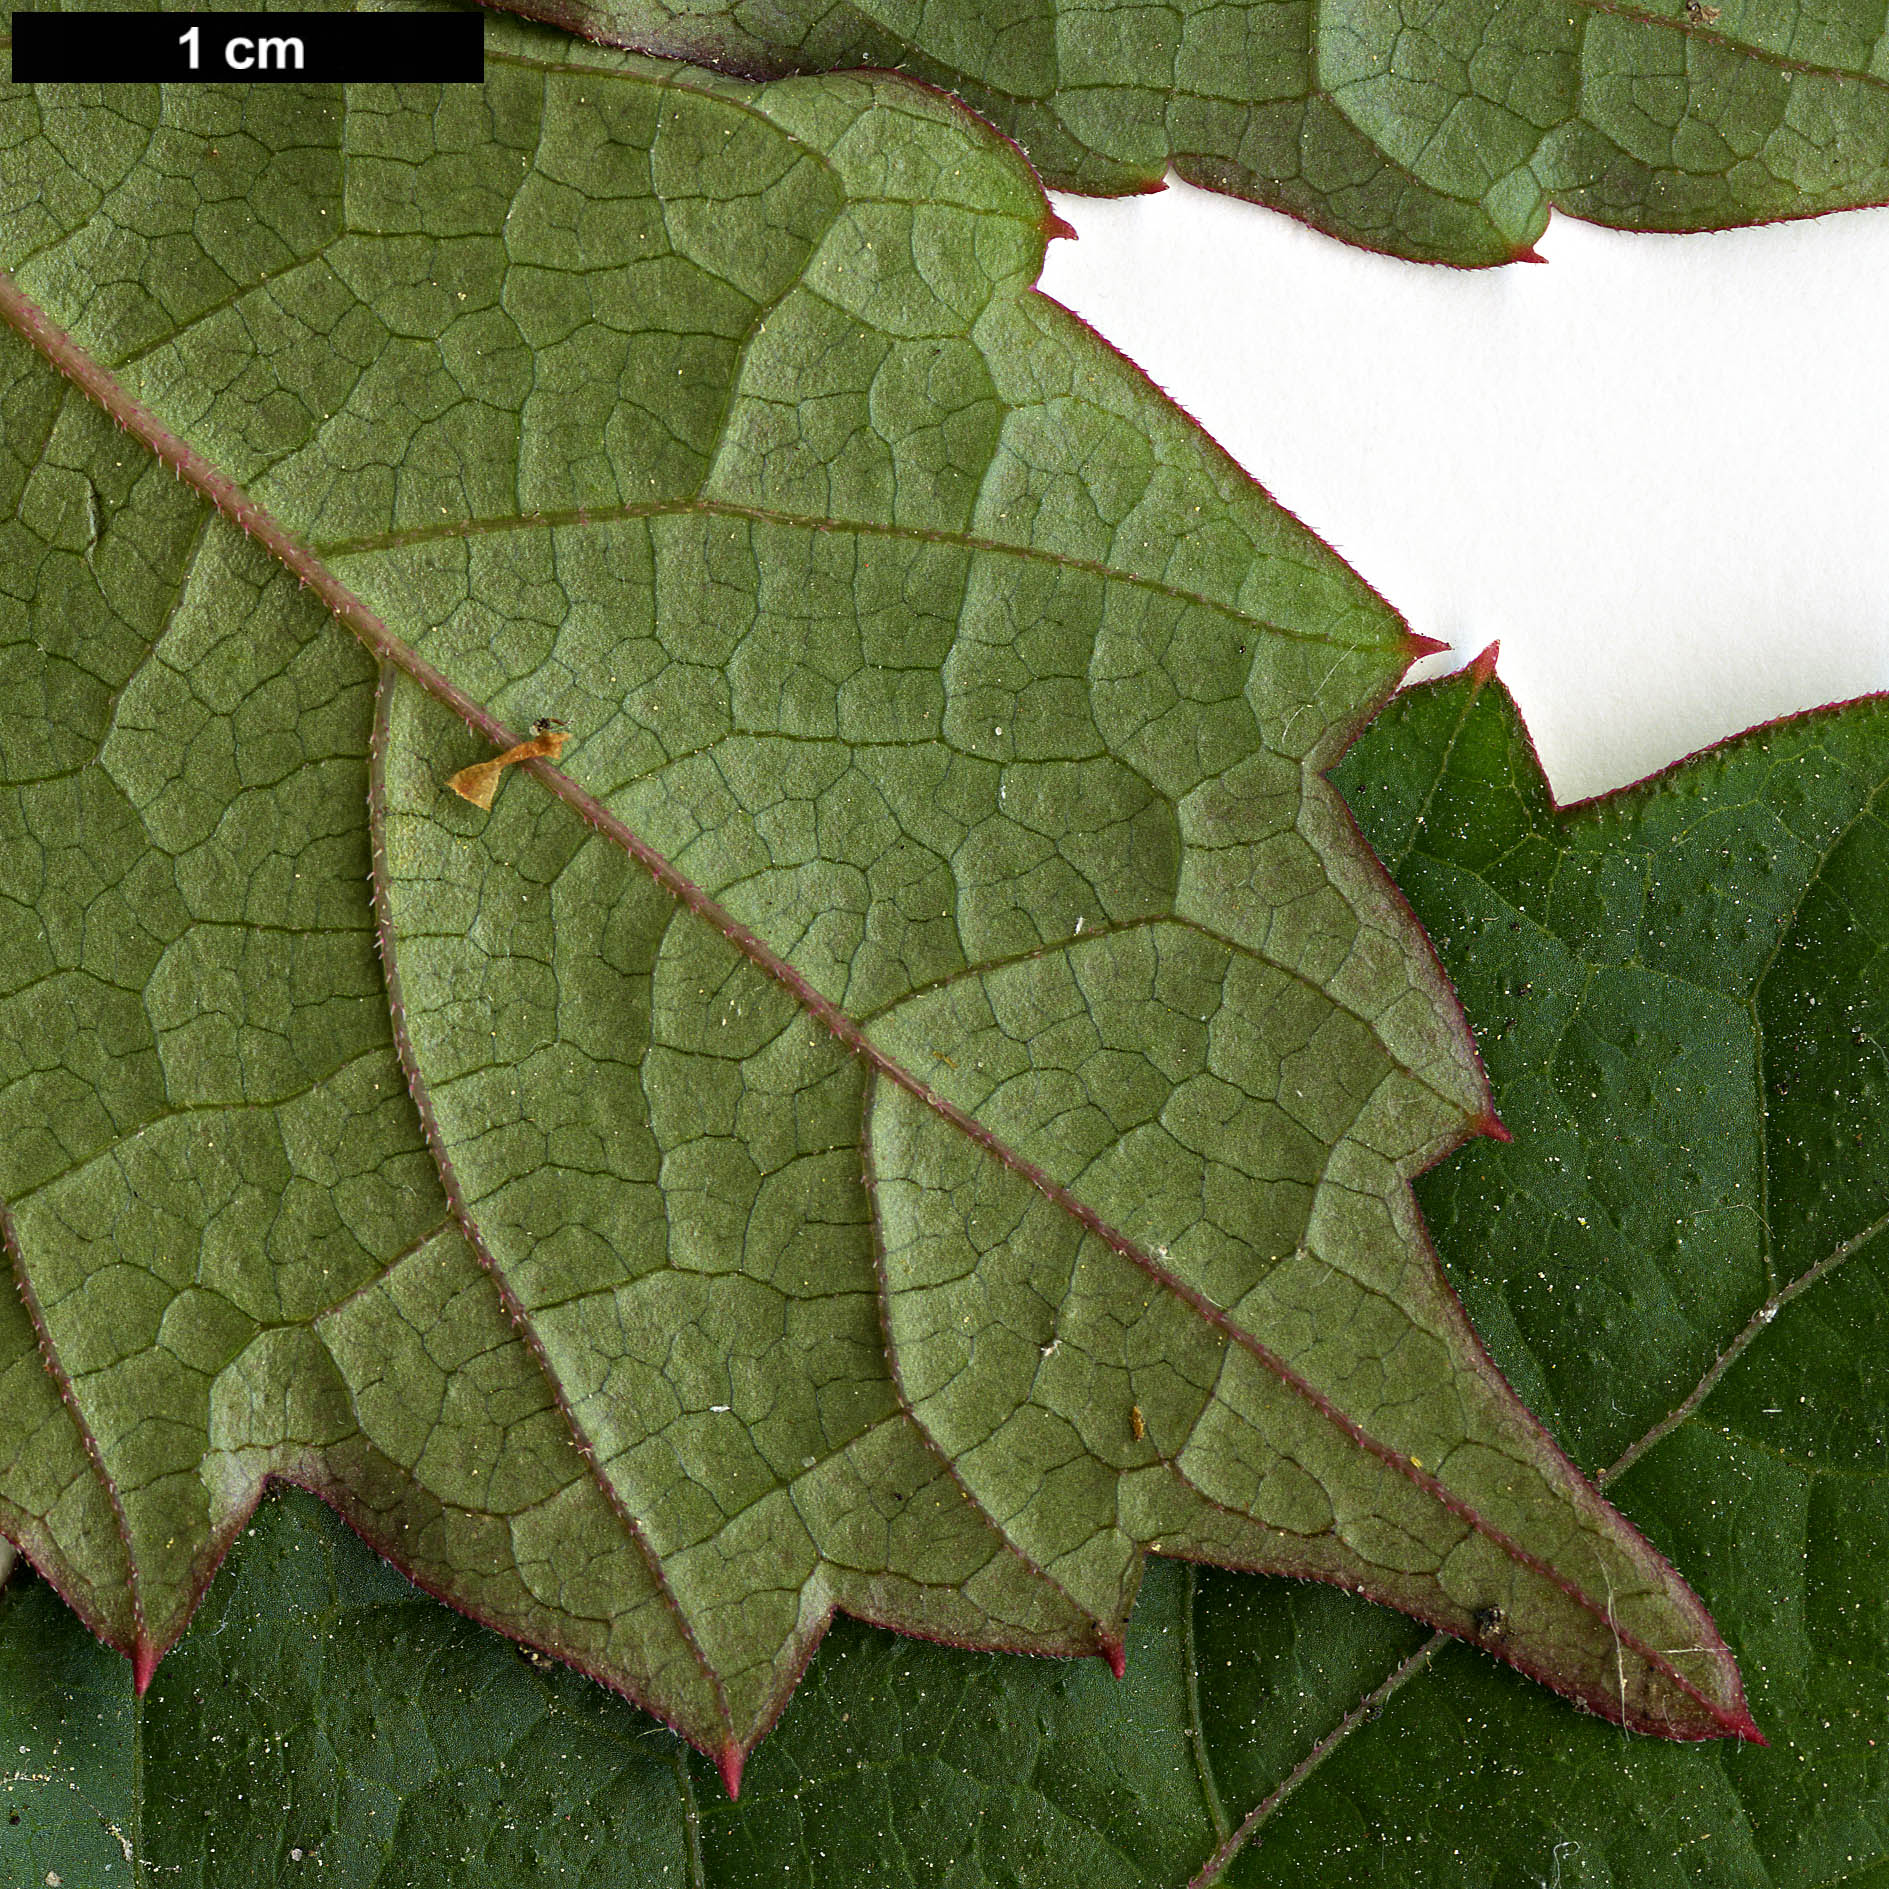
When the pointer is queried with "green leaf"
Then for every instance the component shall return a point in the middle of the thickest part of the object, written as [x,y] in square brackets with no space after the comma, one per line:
[1440,132]
[400,1745]
[322,1716]
[917,1112]
[70,1724]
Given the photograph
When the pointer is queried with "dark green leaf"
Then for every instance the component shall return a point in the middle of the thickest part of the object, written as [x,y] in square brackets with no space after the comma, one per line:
[1678,990]
[1441,132]
[323,1722]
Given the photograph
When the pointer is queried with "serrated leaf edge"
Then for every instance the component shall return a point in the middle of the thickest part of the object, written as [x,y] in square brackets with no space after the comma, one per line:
[77,366]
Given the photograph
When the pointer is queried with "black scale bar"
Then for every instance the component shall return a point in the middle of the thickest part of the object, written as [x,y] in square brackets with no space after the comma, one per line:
[246,48]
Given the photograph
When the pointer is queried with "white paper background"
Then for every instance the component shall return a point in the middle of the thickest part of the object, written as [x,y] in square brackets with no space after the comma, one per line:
[1656,467]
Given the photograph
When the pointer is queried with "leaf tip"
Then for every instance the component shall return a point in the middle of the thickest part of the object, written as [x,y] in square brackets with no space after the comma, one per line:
[1417,646]
[1530,254]
[728,1761]
[1055,227]
[1738,1723]
[1482,667]
[1117,1656]
[1491,1124]
[143,1665]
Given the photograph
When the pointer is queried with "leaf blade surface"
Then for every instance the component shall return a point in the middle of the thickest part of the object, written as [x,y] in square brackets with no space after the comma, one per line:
[1445,134]
[901,632]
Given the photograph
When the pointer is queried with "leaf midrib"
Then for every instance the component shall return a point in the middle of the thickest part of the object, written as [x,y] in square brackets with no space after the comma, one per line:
[1759,1321]
[1367,1708]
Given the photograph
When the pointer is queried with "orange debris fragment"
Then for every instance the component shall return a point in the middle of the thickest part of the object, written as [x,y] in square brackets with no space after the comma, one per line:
[480,782]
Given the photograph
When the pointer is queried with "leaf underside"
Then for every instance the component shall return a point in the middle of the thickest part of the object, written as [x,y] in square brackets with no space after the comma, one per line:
[1442,132]
[914,1114]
